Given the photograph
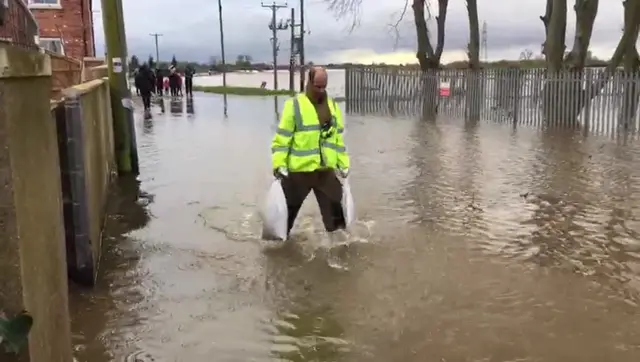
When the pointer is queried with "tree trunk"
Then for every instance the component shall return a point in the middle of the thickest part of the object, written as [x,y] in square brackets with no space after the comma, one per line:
[631,62]
[586,11]
[556,29]
[565,74]
[474,84]
[630,99]
[428,58]
[555,21]
[628,39]
[567,86]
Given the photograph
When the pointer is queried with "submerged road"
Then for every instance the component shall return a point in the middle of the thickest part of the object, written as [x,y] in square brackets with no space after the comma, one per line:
[474,243]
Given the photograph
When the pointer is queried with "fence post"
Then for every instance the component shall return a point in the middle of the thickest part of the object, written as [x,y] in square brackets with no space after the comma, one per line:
[587,109]
[393,91]
[347,89]
[516,100]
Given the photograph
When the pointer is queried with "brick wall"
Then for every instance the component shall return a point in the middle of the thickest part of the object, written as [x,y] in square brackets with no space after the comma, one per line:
[74,20]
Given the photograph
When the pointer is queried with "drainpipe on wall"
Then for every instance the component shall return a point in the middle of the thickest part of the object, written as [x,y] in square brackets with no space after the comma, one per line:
[93,32]
[84,28]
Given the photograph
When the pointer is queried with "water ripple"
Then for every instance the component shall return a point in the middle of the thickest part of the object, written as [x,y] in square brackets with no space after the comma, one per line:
[475,242]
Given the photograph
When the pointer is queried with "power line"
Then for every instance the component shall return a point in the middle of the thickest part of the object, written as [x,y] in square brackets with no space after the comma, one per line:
[274,37]
[156,35]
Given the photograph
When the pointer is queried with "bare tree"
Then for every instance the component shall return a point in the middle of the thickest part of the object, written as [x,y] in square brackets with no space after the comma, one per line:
[473,49]
[427,56]
[474,84]
[395,26]
[554,21]
[555,25]
[347,8]
[631,63]
[526,54]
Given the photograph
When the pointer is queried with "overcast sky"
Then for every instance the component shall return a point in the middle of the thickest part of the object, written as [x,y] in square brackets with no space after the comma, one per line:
[190,30]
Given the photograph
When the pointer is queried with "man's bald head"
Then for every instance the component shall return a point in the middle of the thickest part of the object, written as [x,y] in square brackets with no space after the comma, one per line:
[319,73]
[317,85]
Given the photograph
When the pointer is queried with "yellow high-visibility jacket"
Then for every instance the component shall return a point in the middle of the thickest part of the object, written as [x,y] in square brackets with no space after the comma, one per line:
[300,145]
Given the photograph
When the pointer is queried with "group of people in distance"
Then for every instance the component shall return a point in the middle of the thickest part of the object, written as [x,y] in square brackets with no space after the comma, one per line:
[158,81]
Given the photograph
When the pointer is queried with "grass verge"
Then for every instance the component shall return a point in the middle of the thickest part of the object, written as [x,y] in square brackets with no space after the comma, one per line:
[243,91]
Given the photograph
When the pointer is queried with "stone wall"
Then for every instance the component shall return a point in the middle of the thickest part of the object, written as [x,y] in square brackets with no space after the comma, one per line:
[85,133]
[33,273]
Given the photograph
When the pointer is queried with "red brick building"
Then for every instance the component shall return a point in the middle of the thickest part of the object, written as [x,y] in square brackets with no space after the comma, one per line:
[66,26]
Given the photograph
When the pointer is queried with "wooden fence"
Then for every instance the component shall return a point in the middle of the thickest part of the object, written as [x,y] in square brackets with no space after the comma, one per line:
[66,72]
[592,100]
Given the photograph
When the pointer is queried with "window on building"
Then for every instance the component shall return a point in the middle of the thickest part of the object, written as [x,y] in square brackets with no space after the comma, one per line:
[44,3]
[52,45]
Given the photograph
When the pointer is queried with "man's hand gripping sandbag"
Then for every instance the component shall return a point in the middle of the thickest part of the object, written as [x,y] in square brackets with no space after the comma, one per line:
[274,212]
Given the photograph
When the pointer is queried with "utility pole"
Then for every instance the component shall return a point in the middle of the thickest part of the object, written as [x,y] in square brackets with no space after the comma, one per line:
[301,46]
[121,104]
[156,35]
[128,104]
[292,57]
[224,61]
[274,37]
[484,42]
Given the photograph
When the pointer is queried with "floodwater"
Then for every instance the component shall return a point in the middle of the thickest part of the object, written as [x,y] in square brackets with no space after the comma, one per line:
[255,79]
[474,243]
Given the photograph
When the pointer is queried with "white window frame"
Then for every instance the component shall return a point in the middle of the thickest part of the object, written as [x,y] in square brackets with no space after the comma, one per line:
[35,5]
[52,39]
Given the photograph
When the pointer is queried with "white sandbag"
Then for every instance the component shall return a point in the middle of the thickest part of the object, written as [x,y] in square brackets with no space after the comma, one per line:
[275,213]
[348,206]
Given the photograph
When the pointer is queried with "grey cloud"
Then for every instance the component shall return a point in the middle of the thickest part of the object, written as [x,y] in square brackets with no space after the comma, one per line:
[191,29]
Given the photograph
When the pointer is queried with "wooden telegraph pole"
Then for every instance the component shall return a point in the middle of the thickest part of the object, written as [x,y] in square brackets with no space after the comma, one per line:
[274,38]
[292,56]
[121,104]
[156,36]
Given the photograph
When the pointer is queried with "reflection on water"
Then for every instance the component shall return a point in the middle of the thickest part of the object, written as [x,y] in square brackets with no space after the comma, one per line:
[119,296]
[175,106]
[189,105]
[304,327]
[477,242]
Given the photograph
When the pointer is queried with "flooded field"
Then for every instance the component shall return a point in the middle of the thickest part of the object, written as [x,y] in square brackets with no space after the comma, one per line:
[254,79]
[474,243]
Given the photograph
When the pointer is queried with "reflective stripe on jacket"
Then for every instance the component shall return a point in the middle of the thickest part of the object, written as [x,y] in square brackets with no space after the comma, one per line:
[300,145]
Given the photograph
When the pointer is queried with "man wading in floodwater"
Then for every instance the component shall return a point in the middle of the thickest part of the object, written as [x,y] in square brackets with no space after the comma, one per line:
[144,82]
[308,152]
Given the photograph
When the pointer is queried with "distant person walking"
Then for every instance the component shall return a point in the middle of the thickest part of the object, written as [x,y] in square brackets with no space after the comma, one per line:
[144,83]
[135,74]
[188,80]
[159,81]
[173,81]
